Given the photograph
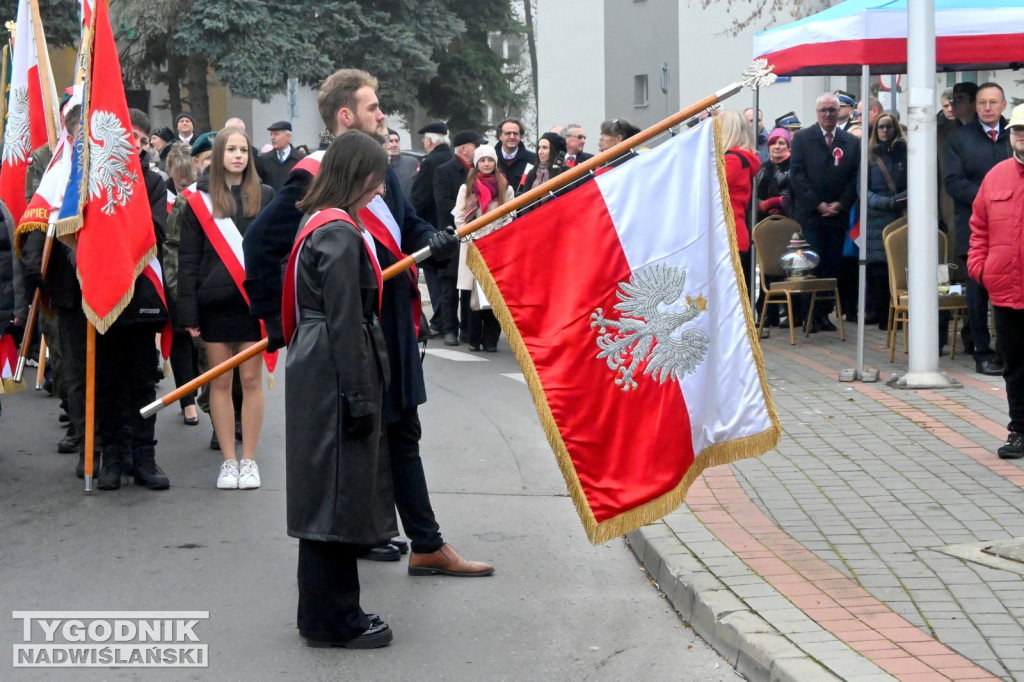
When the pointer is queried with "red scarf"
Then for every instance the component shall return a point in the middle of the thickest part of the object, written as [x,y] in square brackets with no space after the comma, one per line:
[486,189]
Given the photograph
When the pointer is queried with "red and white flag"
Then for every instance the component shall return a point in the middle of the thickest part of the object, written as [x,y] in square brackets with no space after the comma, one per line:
[25,128]
[8,363]
[106,214]
[623,300]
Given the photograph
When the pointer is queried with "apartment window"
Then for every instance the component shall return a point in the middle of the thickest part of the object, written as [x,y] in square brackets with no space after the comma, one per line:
[640,90]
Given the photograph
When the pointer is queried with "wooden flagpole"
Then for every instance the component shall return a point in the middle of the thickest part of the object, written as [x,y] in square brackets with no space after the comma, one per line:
[757,74]
[41,369]
[90,403]
[37,299]
[45,76]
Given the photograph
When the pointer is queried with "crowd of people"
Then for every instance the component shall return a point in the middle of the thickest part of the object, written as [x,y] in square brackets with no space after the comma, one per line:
[227,219]
[812,175]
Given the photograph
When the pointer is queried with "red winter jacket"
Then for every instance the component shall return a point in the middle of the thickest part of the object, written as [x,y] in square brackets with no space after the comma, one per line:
[741,166]
[996,256]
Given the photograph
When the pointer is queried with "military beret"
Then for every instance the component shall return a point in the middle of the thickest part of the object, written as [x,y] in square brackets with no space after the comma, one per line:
[466,137]
[203,143]
[280,125]
[437,127]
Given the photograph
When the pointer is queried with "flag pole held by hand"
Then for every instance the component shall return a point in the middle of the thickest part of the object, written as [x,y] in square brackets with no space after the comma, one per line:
[758,74]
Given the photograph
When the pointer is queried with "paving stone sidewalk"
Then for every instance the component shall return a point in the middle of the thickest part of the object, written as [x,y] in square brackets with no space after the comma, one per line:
[852,551]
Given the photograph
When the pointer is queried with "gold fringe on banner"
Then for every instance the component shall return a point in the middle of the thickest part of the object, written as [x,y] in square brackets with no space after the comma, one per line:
[9,385]
[714,455]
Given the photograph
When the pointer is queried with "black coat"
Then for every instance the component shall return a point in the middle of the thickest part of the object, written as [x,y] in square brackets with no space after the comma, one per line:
[879,193]
[773,181]
[448,178]
[338,477]
[515,169]
[970,155]
[422,196]
[268,241]
[815,177]
[271,171]
[203,279]
[581,157]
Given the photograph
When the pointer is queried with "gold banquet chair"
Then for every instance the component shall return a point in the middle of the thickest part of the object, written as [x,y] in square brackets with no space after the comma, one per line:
[771,237]
[896,249]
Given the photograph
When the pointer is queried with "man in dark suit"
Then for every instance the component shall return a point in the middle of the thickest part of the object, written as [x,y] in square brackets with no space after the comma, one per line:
[575,139]
[448,178]
[513,156]
[971,152]
[435,141]
[823,176]
[274,165]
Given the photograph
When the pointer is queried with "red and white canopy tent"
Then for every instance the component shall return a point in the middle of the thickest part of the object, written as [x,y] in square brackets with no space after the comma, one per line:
[864,37]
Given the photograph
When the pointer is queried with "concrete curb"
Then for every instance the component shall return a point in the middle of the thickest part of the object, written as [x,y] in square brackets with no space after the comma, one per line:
[746,641]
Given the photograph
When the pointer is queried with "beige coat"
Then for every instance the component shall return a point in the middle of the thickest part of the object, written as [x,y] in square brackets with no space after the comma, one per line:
[468,205]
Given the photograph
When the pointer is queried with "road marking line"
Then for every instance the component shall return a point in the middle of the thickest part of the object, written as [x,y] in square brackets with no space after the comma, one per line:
[517,376]
[454,355]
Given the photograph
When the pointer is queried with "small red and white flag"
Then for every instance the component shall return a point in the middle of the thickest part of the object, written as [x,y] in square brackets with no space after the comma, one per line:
[25,128]
[623,300]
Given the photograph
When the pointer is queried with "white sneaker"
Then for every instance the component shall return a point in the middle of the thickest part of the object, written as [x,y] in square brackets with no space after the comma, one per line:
[228,477]
[250,476]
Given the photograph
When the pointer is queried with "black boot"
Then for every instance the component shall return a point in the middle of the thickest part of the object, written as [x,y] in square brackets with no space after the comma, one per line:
[147,472]
[80,469]
[112,469]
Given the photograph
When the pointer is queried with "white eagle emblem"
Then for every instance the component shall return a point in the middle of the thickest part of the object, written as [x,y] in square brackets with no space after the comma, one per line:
[653,329]
[110,150]
[17,137]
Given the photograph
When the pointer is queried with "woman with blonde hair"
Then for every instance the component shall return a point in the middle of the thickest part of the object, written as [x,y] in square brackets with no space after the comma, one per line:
[741,167]
[211,301]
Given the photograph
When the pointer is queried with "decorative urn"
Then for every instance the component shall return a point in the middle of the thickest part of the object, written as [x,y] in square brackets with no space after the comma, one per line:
[799,260]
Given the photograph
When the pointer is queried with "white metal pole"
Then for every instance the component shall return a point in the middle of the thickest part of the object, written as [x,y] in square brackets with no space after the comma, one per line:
[862,216]
[923,207]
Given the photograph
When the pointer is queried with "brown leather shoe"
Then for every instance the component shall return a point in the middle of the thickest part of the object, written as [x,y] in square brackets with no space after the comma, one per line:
[446,561]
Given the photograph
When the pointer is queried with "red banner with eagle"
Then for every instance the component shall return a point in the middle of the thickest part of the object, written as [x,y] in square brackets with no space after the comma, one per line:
[106,215]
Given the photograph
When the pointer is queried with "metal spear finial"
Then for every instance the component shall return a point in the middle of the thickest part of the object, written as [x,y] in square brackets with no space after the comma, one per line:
[759,74]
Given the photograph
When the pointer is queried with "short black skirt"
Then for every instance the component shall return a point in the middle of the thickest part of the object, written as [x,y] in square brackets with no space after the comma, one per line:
[228,324]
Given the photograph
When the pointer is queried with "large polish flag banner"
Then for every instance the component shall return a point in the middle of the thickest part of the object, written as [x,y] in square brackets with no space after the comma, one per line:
[25,127]
[623,301]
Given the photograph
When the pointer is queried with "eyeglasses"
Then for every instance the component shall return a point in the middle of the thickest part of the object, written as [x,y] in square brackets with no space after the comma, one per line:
[886,126]
[510,133]
[579,137]
[828,110]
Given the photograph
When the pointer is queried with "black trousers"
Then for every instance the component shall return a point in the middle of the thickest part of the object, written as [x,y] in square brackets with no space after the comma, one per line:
[827,240]
[1010,341]
[410,483]
[449,303]
[71,323]
[328,579]
[127,371]
[484,329]
[184,364]
[433,277]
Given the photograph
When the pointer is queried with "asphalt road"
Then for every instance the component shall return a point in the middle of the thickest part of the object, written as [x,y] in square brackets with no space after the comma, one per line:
[557,607]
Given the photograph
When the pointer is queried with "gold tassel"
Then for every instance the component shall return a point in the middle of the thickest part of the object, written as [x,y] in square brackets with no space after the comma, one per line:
[167,369]
[8,386]
[270,381]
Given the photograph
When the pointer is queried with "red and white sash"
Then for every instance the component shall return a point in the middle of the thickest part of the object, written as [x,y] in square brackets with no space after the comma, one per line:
[289,302]
[227,242]
[379,222]
[155,274]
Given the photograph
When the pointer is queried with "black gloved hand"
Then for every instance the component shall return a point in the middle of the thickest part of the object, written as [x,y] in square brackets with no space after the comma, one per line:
[891,204]
[275,333]
[443,245]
